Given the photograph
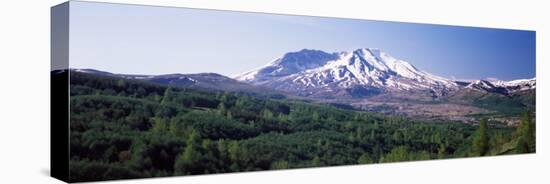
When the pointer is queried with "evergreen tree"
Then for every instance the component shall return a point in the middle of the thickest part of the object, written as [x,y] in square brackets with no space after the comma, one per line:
[397,154]
[526,134]
[188,161]
[267,114]
[120,83]
[422,155]
[221,109]
[480,142]
[316,162]
[372,135]
[441,151]
[184,163]
[168,96]
[315,116]
[237,155]
[160,126]
[365,159]
[280,165]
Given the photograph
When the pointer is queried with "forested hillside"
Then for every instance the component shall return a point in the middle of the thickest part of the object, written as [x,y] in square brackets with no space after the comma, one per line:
[124,128]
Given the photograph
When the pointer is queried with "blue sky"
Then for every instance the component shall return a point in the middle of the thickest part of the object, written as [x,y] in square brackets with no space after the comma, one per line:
[158,40]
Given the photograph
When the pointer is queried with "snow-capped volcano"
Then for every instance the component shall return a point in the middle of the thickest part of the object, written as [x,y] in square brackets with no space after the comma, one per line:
[311,70]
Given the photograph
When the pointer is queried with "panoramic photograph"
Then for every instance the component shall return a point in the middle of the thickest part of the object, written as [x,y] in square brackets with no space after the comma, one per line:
[161,91]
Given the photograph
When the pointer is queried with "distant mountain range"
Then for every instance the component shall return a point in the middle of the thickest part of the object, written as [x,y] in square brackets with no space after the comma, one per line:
[366,79]
[503,87]
[362,73]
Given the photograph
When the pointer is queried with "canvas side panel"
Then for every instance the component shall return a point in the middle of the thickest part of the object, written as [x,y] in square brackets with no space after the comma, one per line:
[59,89]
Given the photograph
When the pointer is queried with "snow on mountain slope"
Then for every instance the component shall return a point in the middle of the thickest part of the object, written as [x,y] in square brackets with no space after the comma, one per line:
[369,68]
[518,85]
[504,87]
[486,86]
[290,63]
[481,85]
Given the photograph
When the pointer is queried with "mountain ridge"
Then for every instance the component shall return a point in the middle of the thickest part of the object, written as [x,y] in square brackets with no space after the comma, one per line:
[367,68]
[204,81]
